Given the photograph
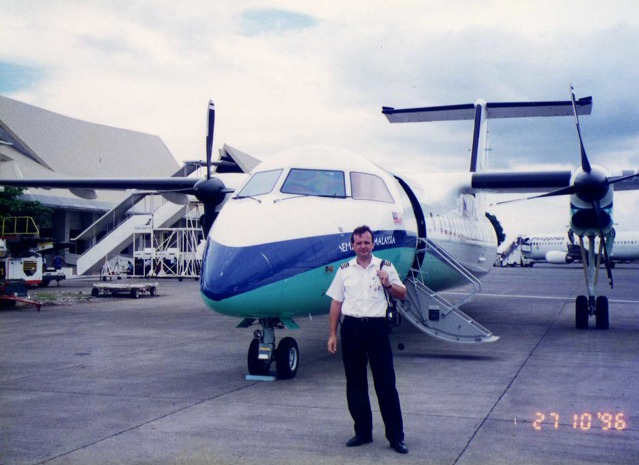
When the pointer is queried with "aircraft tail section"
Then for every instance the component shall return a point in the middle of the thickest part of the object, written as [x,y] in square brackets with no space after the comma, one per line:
[495,110]
[481,112]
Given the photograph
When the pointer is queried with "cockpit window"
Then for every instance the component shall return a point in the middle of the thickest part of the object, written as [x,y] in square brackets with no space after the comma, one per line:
[261,183]
[369,187]
[315,182]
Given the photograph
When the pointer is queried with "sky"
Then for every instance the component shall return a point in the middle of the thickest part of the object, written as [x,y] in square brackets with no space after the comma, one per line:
[286,73]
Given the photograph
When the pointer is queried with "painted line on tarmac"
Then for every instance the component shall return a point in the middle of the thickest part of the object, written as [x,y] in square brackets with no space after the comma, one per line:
[539,297]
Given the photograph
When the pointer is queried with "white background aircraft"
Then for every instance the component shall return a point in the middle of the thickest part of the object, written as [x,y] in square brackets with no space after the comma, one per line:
[275,242]
[555,247]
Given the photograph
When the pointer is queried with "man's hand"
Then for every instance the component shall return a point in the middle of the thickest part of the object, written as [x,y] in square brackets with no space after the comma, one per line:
[383,278]
[332,344]
[333,319]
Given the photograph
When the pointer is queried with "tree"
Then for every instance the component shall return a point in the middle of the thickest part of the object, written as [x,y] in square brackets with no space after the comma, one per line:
[11,204]
[501,236]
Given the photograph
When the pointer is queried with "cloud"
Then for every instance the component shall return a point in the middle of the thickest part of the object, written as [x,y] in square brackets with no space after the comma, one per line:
[285,74]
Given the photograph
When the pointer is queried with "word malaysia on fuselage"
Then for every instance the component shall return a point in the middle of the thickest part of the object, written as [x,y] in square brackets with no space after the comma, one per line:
[345,247]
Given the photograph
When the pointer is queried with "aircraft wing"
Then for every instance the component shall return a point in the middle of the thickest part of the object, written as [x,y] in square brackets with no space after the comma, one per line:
[231,161]
[208,191]
[152,184]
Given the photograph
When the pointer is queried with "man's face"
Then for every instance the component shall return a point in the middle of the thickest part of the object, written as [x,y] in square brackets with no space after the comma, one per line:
[363,245]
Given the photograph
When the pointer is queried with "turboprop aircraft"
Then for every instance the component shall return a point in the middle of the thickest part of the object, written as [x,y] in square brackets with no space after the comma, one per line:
[558,248]
[275,241]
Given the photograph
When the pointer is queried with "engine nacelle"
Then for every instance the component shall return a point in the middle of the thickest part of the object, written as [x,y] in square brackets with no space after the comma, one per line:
[558,258]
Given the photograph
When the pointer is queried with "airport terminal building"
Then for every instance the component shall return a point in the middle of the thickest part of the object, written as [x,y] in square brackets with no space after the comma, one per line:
[36,143]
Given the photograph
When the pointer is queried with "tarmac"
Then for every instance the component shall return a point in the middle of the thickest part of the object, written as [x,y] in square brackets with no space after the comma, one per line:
[161,380]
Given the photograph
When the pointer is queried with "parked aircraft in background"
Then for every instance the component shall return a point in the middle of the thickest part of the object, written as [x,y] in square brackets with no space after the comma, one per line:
[551,248]
[560,249]
[274,245]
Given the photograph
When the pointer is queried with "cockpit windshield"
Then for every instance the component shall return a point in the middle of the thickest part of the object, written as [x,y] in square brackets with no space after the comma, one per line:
[260,183]
[369,187]
[324,183]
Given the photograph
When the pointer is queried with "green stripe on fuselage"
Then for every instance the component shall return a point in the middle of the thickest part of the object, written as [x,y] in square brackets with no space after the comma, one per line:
[300,295]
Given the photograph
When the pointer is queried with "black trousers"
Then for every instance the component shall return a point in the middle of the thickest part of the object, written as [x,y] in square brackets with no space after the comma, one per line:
[366,340]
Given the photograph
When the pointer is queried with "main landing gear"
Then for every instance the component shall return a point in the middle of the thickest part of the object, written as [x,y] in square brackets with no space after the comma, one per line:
[262,352]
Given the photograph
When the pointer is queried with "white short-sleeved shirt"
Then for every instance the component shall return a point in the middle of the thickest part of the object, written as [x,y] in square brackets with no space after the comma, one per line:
[360,289]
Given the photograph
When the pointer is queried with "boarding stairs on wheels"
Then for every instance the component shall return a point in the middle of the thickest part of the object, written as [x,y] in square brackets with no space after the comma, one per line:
[430,312]
[510,250]
[122,236]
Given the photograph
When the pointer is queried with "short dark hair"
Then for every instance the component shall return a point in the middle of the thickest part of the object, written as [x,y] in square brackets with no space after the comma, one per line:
[358,231]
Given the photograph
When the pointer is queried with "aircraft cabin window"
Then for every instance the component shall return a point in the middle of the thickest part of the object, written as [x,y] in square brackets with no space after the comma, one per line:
[323,183]
[261,183]
[369,187]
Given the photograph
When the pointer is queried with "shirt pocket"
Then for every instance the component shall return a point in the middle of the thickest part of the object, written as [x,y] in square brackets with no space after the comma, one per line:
[375,289]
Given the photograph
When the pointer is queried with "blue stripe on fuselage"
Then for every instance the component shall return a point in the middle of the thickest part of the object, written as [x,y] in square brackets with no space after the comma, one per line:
[229,271]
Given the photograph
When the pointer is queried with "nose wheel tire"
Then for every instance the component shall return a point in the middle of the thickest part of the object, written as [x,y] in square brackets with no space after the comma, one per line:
[257,366]
[602,312]
[287,358]
[581,312]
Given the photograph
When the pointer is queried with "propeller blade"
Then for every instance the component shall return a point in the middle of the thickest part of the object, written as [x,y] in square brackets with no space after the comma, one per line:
[209,138]
[602,242]
[622,178]
[585,164]
[563,191]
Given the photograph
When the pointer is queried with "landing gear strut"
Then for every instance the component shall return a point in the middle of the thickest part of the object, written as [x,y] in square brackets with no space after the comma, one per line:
[262,352]
[585,306]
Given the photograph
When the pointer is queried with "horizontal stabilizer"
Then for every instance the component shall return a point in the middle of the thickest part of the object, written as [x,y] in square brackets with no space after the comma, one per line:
[495,110]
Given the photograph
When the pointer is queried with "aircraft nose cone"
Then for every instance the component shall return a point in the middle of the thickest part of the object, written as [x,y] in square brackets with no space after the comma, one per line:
[229,271]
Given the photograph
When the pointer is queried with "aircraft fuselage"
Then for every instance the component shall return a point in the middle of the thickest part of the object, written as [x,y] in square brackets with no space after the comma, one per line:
[306,203]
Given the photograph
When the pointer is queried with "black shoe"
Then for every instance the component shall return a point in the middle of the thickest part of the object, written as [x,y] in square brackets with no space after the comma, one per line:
[358,440]
[399,447]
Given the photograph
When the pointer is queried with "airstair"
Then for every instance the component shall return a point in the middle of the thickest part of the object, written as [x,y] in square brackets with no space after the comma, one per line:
[121,237]
[431,313]
[510,249]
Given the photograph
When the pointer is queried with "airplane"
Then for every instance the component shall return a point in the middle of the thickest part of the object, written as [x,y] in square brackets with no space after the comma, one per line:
[275,241]
[561,249]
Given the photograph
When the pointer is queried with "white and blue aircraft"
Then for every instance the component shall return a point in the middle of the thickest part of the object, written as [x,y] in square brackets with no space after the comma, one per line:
[275,242]
[558,248]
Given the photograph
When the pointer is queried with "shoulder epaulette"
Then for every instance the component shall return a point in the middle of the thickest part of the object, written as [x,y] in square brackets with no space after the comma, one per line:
[387,263]
[344,265]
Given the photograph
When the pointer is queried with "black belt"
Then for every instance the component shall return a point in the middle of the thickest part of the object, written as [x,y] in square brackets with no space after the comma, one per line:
[365,319]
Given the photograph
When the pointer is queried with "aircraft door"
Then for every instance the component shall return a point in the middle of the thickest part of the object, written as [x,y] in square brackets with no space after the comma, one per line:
[419,217]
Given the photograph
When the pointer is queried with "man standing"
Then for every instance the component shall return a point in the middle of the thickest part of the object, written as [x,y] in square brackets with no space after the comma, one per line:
[358,294]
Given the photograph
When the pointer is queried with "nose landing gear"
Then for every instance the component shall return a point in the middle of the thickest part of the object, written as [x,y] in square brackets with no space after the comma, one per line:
[262,352]
[586,306]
